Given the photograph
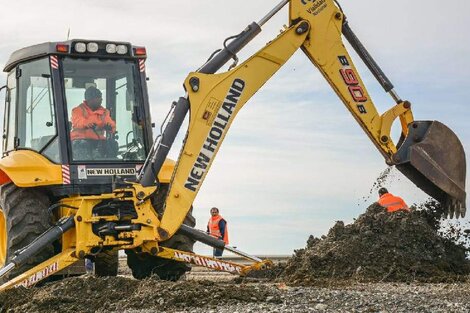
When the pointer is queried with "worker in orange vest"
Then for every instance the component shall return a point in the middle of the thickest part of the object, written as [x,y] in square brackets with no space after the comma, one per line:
[91,124]
[390,202]
[89,119]
[217,227]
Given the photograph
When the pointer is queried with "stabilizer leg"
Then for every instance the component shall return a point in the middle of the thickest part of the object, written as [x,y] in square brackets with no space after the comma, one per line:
[43,270]
[213,263]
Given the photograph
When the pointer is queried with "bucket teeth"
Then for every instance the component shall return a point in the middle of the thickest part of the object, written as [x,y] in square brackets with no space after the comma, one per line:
[463,210]
[445,210]
[451,211]
[455,209]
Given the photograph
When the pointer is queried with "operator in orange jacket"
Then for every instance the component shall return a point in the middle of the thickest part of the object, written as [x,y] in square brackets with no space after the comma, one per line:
[217,227]
[89,119]
[390,202]
[91,123]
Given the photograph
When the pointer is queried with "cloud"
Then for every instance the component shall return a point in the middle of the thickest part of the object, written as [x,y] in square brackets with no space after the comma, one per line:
[295,160]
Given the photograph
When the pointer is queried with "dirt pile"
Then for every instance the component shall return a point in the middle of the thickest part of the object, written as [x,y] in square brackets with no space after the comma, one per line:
[118,294]
[380,246]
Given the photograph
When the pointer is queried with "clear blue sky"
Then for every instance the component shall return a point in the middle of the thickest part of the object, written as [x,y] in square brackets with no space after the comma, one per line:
[294,160]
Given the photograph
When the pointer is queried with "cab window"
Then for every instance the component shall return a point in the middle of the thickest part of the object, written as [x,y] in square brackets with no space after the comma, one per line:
[9,119]
[103,110]
[36,125]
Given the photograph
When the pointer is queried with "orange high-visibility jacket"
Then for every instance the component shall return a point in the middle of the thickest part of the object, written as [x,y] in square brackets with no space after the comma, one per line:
[213,227]
[83,115]
[393,203]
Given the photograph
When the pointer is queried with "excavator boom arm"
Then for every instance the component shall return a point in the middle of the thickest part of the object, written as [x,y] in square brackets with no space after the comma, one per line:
[214,100]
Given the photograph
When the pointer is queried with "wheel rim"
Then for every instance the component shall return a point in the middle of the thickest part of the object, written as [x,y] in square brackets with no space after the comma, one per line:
[3,239]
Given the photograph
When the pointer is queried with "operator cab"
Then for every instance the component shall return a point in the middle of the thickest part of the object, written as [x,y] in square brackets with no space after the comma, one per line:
[47,109]
[115,81]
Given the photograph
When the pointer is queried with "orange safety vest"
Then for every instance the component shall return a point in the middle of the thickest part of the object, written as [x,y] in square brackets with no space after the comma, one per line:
[214,230]
[83,115]
[393,203]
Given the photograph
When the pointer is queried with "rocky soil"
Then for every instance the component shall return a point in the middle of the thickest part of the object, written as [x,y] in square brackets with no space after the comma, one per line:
[119,294]
[401,262]
[384,247]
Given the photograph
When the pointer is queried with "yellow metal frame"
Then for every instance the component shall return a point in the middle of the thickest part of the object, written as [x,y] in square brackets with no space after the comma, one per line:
[70,256]
[316,28]
[166,172]
[81,241]
[43,270]
[219,97]
[326,50]
[212,263]
[205,105]
[27,168]
[401,110]
[84,240]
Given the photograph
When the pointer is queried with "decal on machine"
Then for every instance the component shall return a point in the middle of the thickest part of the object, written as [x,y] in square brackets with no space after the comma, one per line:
[54,62]
[208,262]
[216,133]
[110,171]
[38,276]
[351,80]
[209,112]
[81,169]
[142,65]
[65,174]
[317,6]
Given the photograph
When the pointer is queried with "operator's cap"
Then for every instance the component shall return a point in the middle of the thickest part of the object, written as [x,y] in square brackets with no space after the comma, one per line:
[383,191]
[92,93]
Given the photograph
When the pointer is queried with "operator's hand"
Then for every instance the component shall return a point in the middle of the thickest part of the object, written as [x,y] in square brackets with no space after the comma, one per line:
[108,127]
[91,125]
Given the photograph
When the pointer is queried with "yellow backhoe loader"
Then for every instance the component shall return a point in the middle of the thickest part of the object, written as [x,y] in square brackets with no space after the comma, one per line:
[70,192]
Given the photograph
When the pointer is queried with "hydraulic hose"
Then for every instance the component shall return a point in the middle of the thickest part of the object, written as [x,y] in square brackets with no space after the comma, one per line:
[202,237]
[152,168]
[367,58]
[45,239]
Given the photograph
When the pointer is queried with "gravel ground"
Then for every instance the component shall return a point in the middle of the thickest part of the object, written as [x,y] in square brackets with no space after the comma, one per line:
[120,294]
[380,263]
[378,297]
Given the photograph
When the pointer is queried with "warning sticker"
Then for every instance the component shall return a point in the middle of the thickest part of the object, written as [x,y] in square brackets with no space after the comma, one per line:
[81,169]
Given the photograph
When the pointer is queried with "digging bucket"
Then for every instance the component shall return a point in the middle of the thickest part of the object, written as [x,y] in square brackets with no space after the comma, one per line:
[433,158]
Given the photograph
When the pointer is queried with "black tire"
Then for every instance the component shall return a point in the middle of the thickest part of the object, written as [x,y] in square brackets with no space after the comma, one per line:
[144,265]
[107,263]
[26,217]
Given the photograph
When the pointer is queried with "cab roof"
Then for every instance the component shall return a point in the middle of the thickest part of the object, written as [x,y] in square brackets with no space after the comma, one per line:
[48,48]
